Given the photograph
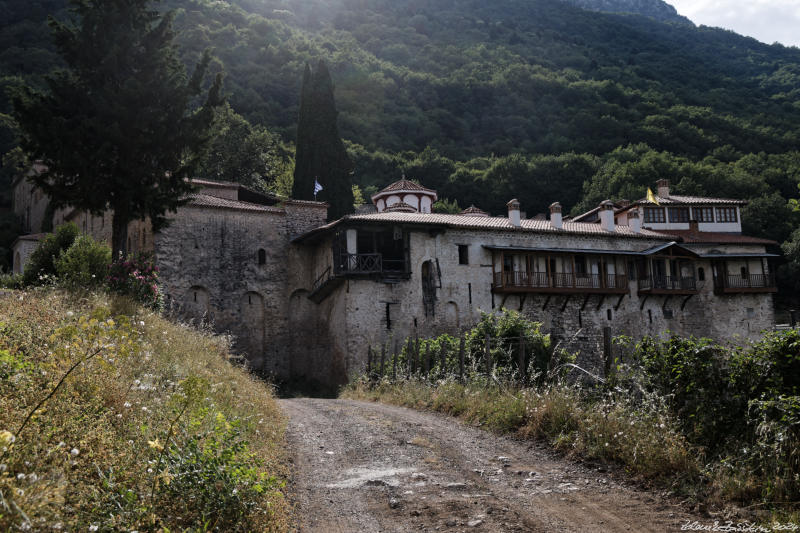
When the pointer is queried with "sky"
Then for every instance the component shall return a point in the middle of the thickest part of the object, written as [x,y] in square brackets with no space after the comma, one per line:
[766,20]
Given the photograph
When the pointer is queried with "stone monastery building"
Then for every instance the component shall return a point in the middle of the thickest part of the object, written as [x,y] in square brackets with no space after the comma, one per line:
[305,299]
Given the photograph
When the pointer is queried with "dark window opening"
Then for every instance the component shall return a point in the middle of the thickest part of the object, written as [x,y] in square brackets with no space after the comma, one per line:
[654,215]
[429,287]
[608,313]
[650,315]
[262,256]
[249,299]
[195,296]
[726,214]
[668,313]
[679,214]
[469,289]
[703,214]
[631,270]
[743,271]
[385,243]
[388,316]
[463,254]
[580,265]
[701,274]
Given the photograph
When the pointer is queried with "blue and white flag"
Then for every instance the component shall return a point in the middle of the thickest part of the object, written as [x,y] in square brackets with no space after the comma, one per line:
[317,186]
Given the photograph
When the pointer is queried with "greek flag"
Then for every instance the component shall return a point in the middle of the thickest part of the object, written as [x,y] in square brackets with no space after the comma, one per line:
[317,186]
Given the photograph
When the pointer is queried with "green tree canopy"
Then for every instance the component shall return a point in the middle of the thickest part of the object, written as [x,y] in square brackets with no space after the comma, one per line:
[114,127]
[321,155]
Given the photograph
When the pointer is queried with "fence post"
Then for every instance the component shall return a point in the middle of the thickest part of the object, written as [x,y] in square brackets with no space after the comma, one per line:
[523,368]
[383,357]
[461,341]
[426,361]
[369,362]
[394,362]
[488,355]
[409,357]
[607,356]
[417,362]
[443,359]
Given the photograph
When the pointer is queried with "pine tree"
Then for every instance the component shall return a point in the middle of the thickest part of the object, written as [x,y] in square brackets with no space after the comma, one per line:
[115,128]
[321,155]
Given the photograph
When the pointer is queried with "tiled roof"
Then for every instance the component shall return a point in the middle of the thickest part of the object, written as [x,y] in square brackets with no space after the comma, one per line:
[474,211]
[674,199]
[708,237]
[404,185]
[206,200]
[487,223]
[212,183]
[31,237]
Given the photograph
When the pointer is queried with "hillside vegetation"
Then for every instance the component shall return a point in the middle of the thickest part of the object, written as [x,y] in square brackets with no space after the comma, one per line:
[486,101]
[112,418]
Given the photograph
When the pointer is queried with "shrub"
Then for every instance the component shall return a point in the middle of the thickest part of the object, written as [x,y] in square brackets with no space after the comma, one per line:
[11,281]
[84,264]
[137,277]
[43,259]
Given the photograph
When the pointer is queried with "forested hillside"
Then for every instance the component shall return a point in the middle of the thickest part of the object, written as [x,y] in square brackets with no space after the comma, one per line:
[536,99]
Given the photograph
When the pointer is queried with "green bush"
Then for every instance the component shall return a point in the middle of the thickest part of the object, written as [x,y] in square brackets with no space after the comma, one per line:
[84,264]
[42,261]
[11,281]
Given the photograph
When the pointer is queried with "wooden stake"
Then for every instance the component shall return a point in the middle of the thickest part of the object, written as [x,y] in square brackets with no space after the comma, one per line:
[461,341]
[488,354]
[523,368]
[394,361]
[383,357]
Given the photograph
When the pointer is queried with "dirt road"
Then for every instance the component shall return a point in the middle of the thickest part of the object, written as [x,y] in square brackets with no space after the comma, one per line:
[363,467]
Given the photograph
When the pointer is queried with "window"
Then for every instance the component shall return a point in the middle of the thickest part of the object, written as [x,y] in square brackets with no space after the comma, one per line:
[703,214]
[701,274]
[262,256]
[654,215]
[679,214]
[463,254]
[726,214]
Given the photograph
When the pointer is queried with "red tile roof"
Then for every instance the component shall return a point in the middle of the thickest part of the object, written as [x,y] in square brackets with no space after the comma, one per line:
[474,211]
[400,207]
[206,200]
[488,223]
[674,199]
[708,237]
[406,185]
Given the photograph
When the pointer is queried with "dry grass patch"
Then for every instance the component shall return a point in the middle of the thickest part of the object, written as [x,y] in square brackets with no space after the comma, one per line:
[149,427]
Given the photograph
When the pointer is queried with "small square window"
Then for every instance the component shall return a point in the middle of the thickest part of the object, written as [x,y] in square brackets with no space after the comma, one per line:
[703,214]
[654,215]
[726,214]
[679,214]
[463,254]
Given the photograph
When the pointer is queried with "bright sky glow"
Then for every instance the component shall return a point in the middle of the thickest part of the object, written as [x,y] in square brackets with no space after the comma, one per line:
[766,20]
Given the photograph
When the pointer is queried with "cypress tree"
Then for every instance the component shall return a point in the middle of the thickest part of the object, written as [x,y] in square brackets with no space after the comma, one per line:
[115,127]
[321,155]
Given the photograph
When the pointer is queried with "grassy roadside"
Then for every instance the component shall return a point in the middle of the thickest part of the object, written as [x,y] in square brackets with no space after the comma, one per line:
[141,424]
[642,437]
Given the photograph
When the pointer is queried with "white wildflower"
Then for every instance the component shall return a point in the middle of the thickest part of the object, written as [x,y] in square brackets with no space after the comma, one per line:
[70,314]
[74,452]
[126,404]
[93,527]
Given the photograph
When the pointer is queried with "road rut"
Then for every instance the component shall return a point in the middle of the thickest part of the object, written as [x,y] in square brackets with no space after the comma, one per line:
[366,467]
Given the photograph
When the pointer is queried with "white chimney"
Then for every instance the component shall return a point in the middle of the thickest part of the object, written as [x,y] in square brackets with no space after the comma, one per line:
[607,215]
[663,188]
[555,215]
[513,213]
[634,221]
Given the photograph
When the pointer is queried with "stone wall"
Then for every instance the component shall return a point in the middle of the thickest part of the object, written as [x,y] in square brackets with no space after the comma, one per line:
[576,321]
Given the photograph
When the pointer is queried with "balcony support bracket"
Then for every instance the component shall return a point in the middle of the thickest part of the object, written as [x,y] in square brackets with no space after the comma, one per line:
[666,300]
[683,304]
[546,301]
[585,299]
[522,299]
[503,301]
[600,302]
[619,302]
[566,301]
[641,306]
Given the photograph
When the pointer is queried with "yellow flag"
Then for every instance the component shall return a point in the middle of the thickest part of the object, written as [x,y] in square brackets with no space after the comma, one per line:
[652,197]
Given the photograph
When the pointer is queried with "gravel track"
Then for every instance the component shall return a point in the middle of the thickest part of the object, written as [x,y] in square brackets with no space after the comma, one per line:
[367,467]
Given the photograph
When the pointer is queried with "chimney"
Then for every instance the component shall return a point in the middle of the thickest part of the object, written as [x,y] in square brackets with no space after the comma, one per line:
[555,215]
[634,222]
[513,213]
[663,188]
[607,215]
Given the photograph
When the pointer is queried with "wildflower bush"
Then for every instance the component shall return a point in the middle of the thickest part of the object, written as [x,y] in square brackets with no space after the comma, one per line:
[137,277]
[123,421]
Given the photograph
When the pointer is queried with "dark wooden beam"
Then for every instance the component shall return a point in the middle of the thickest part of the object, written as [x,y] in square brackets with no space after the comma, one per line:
[546,301]
[683,304]
[585,299]
[600,302]
[522,300]
[666,300]
[641,306]
[619,302]
[566,301]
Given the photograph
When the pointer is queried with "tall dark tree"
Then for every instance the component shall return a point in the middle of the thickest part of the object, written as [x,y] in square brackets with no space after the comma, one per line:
[321,155]
[115,127]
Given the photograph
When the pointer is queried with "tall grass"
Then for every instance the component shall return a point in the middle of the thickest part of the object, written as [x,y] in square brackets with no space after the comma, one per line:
[141,424]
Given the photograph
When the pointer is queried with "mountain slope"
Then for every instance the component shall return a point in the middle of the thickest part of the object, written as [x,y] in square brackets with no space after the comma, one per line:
[657,9]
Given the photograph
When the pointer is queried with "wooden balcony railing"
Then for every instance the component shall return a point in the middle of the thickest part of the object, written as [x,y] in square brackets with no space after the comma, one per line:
[749,283]
[359,264]
[668,284]
[559,282]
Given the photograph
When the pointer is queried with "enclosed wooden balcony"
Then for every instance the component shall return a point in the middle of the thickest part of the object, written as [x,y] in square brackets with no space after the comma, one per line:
[372,265]
[738,283]
[559,283]
[668,285]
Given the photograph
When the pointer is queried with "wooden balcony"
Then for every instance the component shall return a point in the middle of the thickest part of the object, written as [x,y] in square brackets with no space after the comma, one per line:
[668,285]
[559,283]
[356,265]
[736,283]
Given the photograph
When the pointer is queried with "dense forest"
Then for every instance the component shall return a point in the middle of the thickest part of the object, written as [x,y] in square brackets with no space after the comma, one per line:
[536,99]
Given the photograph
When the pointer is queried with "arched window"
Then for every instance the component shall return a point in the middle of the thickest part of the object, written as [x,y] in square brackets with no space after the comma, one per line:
[262,256]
